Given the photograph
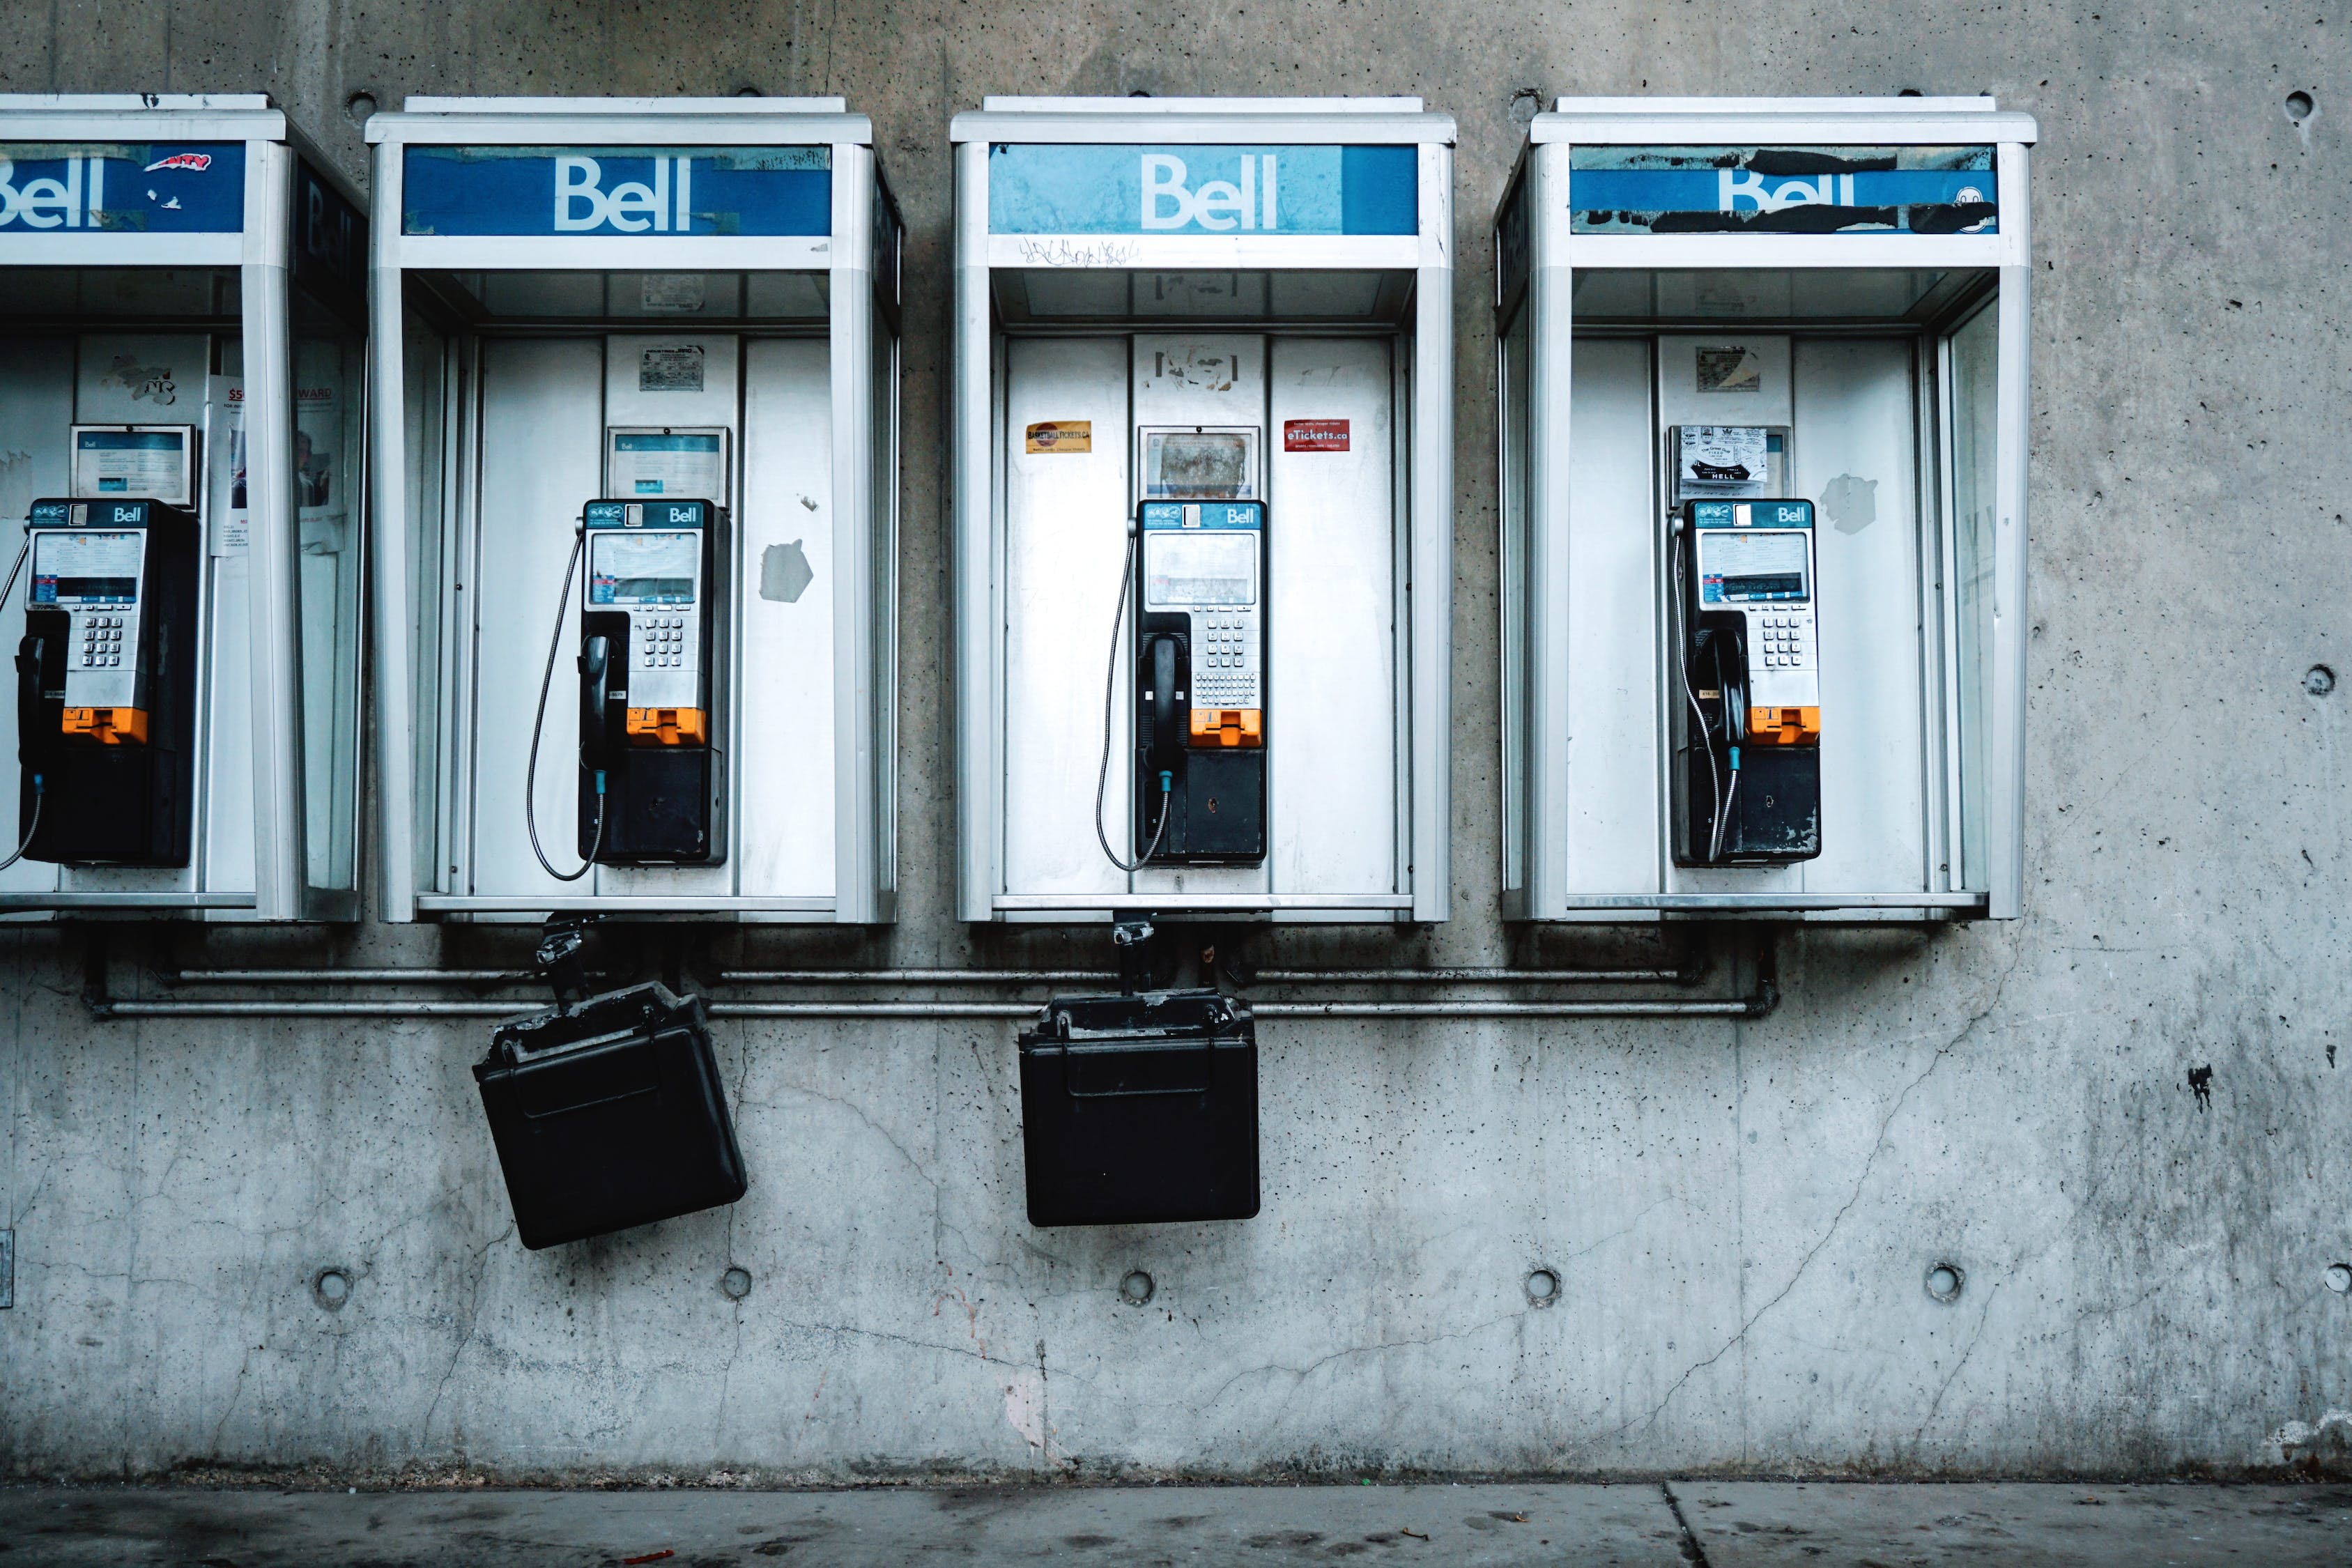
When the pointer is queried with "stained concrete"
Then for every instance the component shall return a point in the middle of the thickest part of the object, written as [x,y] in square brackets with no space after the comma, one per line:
[1742,1215]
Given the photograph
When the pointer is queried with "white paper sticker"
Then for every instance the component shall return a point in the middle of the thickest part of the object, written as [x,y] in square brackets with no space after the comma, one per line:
[1729,368]
[1722,459]
[680,293]
[676,367]
[226,523]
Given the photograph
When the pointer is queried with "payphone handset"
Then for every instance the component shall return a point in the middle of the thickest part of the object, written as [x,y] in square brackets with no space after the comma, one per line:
[105,682]
[1748,668]
[652,772]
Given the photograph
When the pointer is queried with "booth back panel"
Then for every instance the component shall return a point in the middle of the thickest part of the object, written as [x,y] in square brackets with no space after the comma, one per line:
[1856,460]
[1065,520]
[1333,696]
[783,723]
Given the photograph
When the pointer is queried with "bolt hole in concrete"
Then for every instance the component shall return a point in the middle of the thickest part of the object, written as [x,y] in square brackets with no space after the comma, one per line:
[1944,1282]
[1543,1287]
[1137,1288]
[2339,1277]
[2299,107]
[735,1284]
[358,106]
[2319,680]
[332,1288]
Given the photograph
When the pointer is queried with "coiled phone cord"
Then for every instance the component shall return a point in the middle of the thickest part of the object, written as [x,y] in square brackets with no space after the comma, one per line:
[1110,693]
[539,722]
[32,827]
[1716,796]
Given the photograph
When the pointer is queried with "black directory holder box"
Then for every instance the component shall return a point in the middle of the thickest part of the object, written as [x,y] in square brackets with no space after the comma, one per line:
[608,1114]
[1141,1109]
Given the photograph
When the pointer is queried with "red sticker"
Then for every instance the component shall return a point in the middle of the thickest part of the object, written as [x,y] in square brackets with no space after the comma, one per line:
[1314,435]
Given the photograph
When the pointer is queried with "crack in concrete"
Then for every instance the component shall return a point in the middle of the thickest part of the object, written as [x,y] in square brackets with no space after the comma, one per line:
[1878,1146]
[1937,1405]
[466,1336]
[1383,1348]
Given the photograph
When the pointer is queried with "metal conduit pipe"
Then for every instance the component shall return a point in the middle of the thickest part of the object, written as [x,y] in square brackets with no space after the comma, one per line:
[1395,976]
[393,1009]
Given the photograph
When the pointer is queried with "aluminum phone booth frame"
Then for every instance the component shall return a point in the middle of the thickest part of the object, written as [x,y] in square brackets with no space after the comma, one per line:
[177,266]
[1745,262]
[1306,292]
[565,273]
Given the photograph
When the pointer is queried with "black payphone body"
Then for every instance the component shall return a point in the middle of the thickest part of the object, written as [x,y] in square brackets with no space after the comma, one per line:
[653,768]
[106,683]
[1748,787]
[1200,683]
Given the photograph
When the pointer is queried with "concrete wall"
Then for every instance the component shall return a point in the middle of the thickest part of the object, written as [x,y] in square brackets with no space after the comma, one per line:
[1741,1214]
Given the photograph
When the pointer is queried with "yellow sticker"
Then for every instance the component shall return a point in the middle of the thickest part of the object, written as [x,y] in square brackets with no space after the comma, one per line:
[1062,435]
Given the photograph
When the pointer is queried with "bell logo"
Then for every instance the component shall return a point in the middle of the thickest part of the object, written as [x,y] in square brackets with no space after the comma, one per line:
[1247,202]
[582,204]
[1732,188]
[49,202]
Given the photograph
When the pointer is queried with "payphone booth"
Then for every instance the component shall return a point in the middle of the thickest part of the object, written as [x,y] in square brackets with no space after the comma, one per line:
[183,337]
[636,582]
[1203,475]
[1762,375]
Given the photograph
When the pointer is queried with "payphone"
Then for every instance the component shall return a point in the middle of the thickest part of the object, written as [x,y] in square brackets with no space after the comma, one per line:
[1748,789]
[182,341]
[1203,415]
[658,340]
[652,767]
[1763,376]
[106,683]
[1200,683]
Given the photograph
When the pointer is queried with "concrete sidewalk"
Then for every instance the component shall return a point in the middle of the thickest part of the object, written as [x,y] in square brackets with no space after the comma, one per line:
[1721,1525]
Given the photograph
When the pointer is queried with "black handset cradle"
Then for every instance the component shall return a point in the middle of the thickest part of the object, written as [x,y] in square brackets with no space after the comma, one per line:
[106,683]
[1748,780]
[653,780]
[1200,683]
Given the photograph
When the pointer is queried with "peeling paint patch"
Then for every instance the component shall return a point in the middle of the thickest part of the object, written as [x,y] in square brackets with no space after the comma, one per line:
[1851,503]
[2303,1435]
[1025,1407]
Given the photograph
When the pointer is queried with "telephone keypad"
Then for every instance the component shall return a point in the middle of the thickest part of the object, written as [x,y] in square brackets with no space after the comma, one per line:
[661,642]
[1782,640]
[1225,659]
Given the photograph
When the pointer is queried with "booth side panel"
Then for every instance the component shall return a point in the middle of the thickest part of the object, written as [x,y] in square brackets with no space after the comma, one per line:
[1066,537]
[416,566]
[1855,458]
[884,542]
[976,444]
[784,724]
[1615,787]
[37,410]
[541,431]
[1331,611]
[1516,470]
